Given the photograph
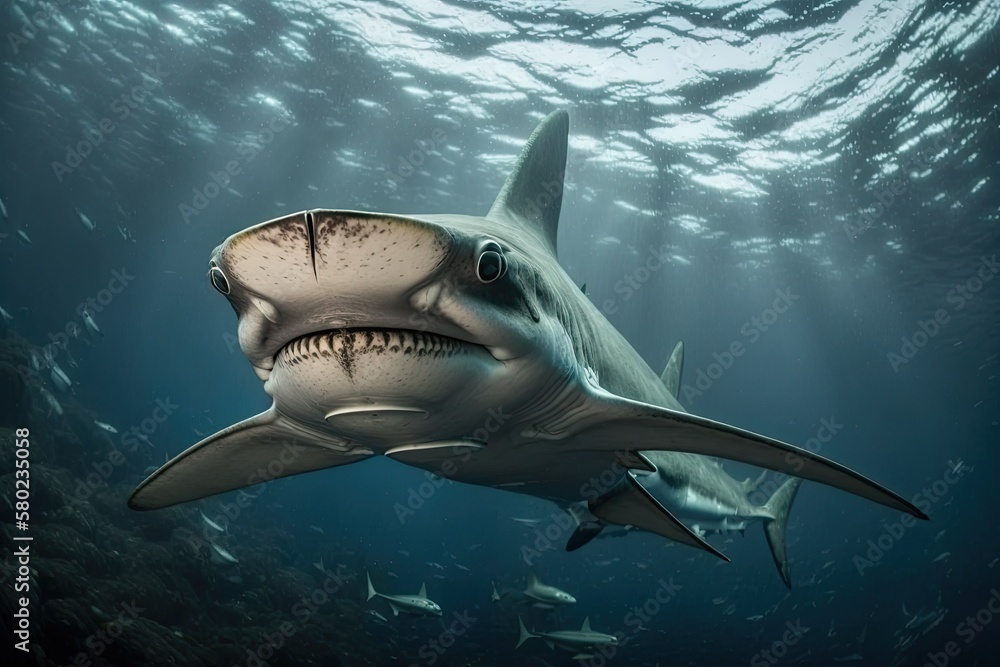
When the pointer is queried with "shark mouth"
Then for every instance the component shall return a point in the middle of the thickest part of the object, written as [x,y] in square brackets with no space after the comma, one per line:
[345,346]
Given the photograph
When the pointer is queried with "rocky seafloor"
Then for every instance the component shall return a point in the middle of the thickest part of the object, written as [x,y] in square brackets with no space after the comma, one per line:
[111,586]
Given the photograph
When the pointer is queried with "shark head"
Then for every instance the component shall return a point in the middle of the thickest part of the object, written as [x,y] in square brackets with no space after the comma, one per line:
[373,322]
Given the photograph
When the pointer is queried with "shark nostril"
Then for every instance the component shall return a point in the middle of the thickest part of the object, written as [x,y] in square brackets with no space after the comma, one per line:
[219,280]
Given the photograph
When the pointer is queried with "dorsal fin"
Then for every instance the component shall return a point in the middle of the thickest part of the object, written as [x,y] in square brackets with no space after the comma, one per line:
[532,579]
[586,625]
[423,590]
[533,191]
[671,377]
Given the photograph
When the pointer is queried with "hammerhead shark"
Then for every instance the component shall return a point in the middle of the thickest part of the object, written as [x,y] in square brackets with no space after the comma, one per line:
[457,344]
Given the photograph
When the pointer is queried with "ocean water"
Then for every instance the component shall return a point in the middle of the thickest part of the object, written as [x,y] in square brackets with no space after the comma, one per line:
[805,194]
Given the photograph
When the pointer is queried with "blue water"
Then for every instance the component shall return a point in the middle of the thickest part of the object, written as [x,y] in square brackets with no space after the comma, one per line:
[846,154]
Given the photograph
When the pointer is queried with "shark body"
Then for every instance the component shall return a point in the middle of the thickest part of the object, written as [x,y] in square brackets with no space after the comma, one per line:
[457,344]
[415,605]
[583,641]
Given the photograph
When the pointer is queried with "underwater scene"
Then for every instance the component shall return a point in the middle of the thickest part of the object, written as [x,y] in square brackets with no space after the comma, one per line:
[438,333]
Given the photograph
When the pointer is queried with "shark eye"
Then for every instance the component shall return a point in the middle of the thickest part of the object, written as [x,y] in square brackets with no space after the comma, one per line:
[218,279]
[491,265]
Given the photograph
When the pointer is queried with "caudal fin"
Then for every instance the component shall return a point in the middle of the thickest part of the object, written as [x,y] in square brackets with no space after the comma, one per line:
[525,635]
[779,507]
[371,589]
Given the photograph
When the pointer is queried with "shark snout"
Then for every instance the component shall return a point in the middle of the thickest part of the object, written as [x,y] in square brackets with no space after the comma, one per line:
[322,270]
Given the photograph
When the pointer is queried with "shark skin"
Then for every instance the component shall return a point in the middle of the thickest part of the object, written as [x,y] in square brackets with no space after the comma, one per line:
[457,344]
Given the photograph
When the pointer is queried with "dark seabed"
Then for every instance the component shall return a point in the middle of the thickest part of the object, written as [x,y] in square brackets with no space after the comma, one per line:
[835,161]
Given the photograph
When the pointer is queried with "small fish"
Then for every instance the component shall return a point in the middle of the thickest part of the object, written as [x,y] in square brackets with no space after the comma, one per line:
[125,233]
[87,223]
[54,405]
[220,555]
[942,556]
[23,237]
[378,616]
[527,522]
[105,427]
[3,209]
[234,192]
[59,378]
[316,528]
[7,316]
[88,321]
[211,524]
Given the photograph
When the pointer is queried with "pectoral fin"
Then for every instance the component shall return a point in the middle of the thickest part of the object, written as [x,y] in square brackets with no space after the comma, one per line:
[629,503]
[607,421]
[234,458]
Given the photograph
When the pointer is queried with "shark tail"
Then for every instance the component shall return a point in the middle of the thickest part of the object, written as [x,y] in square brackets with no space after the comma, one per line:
[525,635]
[371,589]
[779,507]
